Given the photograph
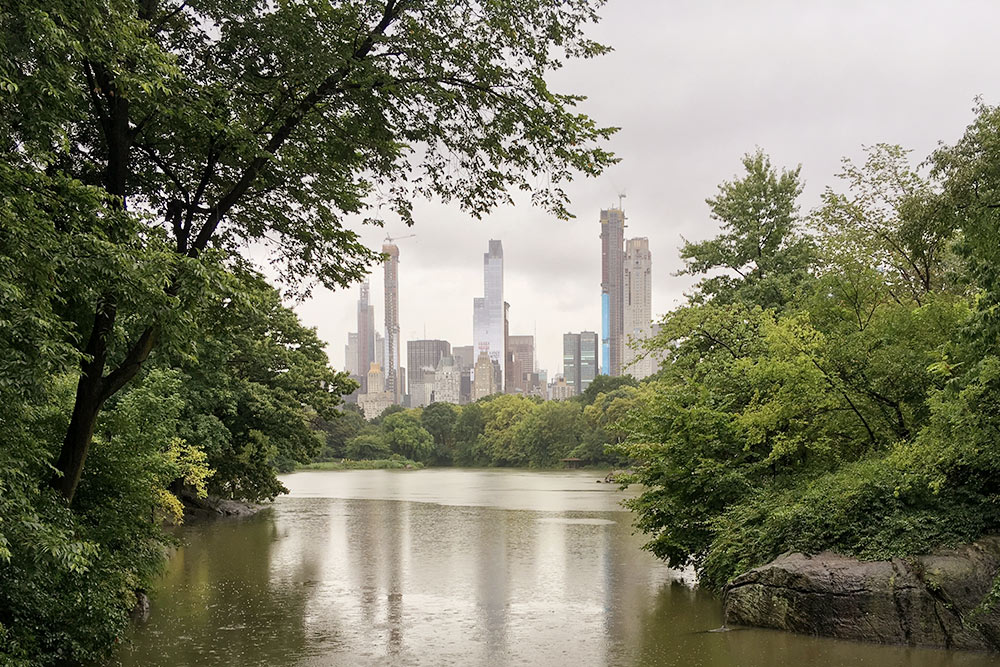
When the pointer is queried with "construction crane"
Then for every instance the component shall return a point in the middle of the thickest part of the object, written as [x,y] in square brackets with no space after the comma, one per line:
[393,240]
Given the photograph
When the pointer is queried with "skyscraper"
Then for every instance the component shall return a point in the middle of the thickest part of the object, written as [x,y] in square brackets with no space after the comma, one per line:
[488,310]
[366,335]
[391,366]
[351,354]
[521,362]
[612,274]
[580,359]
[380,350]
[484,384]
[638,311]
[422,358]
[447,381]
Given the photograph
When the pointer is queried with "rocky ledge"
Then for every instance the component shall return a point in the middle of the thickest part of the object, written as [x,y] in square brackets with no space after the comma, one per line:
[942,599]
[211,507]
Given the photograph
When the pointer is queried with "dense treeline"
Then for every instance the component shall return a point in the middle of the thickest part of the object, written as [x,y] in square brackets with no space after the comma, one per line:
[833,382]
[500,430]
[148,150]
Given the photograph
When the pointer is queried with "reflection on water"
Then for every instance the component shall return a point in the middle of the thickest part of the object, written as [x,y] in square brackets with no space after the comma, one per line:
[452,567]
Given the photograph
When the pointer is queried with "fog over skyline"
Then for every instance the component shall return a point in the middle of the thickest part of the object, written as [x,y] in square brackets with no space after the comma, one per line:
[694,86]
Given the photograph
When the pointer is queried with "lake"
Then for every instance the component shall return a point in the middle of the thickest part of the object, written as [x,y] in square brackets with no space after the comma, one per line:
[453,567]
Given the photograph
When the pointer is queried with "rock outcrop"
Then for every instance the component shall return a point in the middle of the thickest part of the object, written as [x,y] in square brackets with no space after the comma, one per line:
[211,507]
[942,599]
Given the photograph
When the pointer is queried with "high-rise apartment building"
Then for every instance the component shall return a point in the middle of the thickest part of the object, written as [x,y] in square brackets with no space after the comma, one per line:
[520,363]
[379,350]
[560,389]
[447,381]
[374,402]
[392,360]
[366,335]
[612,293]
[638,311]
[484,383]
[351,355]
[464,355]
[488,310]
[580,359]
[422,358]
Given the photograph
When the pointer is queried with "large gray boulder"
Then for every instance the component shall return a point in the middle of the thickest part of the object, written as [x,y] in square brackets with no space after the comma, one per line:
[941,599]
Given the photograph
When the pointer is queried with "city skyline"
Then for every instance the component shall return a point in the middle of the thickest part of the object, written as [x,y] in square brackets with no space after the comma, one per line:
[677,143]
[514,355]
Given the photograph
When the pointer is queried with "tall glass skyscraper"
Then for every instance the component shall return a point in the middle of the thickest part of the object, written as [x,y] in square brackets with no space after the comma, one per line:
[488,310]
[612,293]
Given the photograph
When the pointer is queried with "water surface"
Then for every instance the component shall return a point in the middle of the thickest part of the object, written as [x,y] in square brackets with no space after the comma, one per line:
[453,567]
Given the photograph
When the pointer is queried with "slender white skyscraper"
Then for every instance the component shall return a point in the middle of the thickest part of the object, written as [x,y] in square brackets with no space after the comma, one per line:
[391,366]
[488,310]
[366,335]
[638,307]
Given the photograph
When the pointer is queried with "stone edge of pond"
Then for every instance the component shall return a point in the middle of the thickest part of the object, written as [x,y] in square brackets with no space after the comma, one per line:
[212,507]
[946,599]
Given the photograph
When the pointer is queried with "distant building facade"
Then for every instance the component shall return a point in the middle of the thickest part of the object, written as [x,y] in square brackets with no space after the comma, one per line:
[612,292]
[374,402]
[638,313]
[560,390]
[465,355]
[521,364]
[484,377]
[580,359]
[351,355]
[488,310]
[392,360]
[366,335]
[422,358]
[447,382]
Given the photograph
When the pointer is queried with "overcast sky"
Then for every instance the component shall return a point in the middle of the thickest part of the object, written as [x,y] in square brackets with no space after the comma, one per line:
[694,85]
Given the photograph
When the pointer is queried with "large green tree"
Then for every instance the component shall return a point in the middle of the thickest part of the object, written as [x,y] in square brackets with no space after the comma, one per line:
[802,386]
[201,127]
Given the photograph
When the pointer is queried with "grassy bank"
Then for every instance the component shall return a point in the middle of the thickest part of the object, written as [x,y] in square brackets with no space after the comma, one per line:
[373,464]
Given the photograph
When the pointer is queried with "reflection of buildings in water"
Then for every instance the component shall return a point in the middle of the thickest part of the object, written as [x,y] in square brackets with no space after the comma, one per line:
[377,531]
[492,582]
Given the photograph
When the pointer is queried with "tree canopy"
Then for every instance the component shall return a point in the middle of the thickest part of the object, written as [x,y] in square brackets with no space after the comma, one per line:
[835,386]
[149,151]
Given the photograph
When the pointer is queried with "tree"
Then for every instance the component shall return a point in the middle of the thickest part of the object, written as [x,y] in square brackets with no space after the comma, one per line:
[344,425]
[439,420]
[796,398]
[761,253]
[467,432]
[200,128]
[405,436]
[891,221]
[603,384]
[367,446]
[256,385]
[550,432]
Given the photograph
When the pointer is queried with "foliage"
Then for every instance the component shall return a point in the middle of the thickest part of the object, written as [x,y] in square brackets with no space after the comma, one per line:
[392,463]
[439,420]
[501,430]
[254,390]
[144,148]
[835,389]
[761,254]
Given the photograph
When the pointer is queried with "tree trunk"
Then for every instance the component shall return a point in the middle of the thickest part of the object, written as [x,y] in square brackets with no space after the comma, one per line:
[79,435]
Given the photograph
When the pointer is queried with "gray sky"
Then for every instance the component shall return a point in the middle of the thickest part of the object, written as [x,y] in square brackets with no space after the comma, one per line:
[694,85]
